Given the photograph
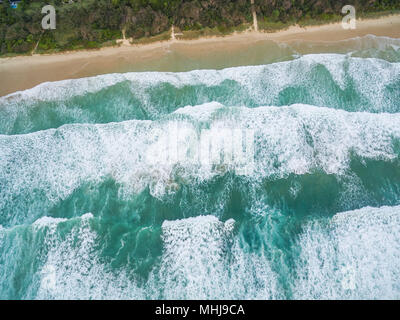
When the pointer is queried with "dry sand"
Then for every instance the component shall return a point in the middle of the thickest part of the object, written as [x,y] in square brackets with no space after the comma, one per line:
[23,72]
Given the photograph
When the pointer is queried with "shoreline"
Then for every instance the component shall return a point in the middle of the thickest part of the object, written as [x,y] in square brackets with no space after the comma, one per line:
[24,72]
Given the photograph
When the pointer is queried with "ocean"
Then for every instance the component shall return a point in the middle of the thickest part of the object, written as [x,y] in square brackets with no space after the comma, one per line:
[278,180]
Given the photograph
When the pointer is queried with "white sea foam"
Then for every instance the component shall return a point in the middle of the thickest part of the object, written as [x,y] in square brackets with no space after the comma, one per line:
[201,112]
[262,84]
[287,140]
[72,269]
[354,256]
[65,88]
[370,41]
[326,80]
[47,221]
[203,260]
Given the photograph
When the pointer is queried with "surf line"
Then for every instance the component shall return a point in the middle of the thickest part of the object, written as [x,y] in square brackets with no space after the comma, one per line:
[165,310]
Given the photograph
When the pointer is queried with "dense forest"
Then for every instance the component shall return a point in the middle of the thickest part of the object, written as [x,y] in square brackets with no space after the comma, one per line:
[96,23]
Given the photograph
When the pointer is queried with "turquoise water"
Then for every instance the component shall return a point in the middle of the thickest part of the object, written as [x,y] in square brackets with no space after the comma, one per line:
[96,204]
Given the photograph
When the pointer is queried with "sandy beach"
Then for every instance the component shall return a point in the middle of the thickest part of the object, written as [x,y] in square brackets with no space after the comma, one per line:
[23,72]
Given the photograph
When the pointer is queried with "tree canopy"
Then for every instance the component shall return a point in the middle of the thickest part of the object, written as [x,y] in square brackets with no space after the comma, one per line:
[94,23]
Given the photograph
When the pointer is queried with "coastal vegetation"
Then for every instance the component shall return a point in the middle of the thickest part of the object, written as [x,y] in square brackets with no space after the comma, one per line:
[89,24]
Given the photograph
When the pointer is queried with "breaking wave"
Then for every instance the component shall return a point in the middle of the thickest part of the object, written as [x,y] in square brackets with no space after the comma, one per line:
[278,181]
[325,80]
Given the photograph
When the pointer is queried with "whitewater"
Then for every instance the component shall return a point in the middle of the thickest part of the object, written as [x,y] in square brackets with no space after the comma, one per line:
[106,192]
